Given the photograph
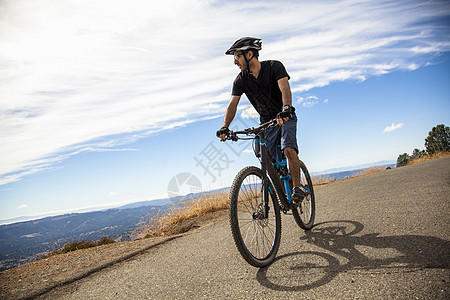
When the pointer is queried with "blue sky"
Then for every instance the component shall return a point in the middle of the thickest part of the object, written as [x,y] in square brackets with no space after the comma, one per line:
[105,103]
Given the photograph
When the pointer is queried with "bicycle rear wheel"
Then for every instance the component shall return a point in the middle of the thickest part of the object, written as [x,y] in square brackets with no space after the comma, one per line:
[256,236]
[305,212]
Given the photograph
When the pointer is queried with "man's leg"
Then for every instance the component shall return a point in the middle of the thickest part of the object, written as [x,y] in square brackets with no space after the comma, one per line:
[272,136]
[294,165]
[290,149]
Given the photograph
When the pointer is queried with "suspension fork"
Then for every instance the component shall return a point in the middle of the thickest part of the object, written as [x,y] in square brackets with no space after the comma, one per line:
[265,179]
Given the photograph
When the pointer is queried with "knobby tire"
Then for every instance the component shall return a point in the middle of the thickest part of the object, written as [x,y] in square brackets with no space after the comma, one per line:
[257,238]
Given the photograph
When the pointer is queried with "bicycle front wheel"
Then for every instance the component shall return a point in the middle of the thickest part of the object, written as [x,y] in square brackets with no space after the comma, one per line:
[255,233]
[305,212]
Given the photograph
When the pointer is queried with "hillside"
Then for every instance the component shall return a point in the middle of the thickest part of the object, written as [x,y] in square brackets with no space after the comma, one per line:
[23,242]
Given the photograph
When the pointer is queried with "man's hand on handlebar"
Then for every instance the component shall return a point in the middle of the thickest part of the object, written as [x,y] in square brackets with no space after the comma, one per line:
[285,114]
[222,133]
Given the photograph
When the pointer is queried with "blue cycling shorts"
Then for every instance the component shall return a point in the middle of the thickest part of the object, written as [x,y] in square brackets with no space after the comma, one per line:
[282,137]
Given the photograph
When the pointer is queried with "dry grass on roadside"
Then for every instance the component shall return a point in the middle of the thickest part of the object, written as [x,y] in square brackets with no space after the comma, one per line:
[428,157]
[73,246]
[170,222]
[370,170]
[321,179]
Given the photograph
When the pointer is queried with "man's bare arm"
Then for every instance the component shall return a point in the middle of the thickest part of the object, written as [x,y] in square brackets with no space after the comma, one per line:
[229,115]
[286,94]
[231,110]
[285,89]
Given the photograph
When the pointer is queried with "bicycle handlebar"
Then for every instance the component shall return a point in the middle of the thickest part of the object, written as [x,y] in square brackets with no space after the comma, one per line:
[232,135]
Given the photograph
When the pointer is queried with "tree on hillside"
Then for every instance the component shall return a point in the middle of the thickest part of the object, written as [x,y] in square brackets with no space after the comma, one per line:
[402,160]
[418,154]
[438,139]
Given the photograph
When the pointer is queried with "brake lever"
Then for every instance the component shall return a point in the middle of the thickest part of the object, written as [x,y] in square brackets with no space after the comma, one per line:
[232,136]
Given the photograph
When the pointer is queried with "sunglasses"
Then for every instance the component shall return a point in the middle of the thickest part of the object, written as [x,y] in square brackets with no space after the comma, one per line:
[236,57]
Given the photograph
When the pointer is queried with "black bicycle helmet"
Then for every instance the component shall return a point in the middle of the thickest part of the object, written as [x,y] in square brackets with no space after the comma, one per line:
[245,43]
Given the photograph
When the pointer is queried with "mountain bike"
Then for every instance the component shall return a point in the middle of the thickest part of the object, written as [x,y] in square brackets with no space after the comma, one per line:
[257,197]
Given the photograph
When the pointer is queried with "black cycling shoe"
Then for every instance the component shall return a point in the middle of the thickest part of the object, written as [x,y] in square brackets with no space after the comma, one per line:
[298,195]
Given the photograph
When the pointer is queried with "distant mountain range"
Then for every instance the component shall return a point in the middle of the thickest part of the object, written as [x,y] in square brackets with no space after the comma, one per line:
[354,169]
[25,241]
[346,174]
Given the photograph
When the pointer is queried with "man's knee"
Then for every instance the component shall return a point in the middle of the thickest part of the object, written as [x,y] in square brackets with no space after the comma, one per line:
[290,153]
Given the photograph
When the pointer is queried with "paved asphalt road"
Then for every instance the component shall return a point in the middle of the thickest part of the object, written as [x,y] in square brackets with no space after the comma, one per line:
[384,235]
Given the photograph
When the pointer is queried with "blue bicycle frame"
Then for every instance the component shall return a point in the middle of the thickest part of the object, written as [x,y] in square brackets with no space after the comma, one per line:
[268,168]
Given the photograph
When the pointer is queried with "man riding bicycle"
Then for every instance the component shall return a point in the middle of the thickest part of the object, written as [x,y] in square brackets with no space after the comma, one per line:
[266,85]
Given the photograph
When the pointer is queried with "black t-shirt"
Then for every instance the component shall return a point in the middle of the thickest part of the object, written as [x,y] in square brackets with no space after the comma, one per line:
[263,92]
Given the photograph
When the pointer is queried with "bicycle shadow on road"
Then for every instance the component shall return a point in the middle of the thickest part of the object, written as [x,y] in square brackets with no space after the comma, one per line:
[345,251]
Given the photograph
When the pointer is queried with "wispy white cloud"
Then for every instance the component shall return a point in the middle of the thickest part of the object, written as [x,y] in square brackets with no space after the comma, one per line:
[393,127]
[90,149]
[80,75]
[249,112]
[308,101]
[22,206]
